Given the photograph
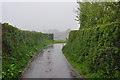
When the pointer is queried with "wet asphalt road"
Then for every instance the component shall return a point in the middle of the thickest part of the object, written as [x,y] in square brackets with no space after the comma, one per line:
[50,63]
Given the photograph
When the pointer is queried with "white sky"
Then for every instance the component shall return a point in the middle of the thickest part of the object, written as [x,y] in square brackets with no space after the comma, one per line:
[0,11]
[38,0]
[40,16]
[56,0]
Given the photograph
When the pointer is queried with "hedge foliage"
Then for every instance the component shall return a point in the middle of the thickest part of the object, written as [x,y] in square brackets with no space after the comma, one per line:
[95,51]
[18,48]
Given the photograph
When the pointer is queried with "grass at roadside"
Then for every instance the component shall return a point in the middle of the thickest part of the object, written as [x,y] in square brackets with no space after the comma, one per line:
[75,65]
[59,41]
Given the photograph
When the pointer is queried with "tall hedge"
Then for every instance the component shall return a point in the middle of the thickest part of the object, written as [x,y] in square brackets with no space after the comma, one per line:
[94,51]
[94,48]
[18,47]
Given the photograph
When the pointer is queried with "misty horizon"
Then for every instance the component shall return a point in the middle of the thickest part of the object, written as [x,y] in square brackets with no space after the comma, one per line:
[40,16]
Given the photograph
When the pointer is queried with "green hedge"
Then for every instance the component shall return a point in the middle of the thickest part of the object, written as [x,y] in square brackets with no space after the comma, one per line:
[18,48]
[94,51]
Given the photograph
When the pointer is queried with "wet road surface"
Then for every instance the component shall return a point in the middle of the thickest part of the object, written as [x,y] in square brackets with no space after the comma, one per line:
[50,63]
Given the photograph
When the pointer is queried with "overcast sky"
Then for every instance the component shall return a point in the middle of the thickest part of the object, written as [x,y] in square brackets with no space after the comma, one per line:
[40,16]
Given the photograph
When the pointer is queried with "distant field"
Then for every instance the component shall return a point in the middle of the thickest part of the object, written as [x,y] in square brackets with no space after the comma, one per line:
[59,41]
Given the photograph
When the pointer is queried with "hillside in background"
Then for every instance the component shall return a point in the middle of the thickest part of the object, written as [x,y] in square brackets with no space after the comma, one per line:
[94,49]
[18,47]
[59,35]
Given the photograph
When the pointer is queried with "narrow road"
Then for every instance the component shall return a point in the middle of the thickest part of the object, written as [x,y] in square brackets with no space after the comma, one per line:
[50,63]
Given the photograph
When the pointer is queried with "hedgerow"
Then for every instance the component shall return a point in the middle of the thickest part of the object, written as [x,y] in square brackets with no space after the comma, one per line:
[94,51]
[18,47]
